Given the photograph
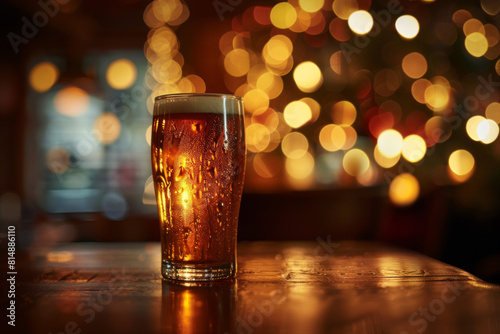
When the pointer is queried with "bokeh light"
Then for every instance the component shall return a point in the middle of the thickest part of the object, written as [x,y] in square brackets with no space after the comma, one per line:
[303,22]
[300,168]
[283,15]
[487,131]
[384,161]
[436,97]
[418,89]
[360,22]
[332,137]
[461,162]
[277,54]
[43,76]
[237,62]
[163,42]
[300,67]
[197,82]
[390,143]
[262,15]
[317,25]
[414,65]
[171,12]
[471,26]
[59,256]
[271,84]
[297,113]
[343,113]
[266,116]
[257,137]
[167,72]
[437,130]
[404,189]
[71,101]
[459,178]
[294,145]
[471,127]
[278,49]
[274,141]
[380,121]
[307,76]
[351,136]
[121,74]
[107,128]
[255,99]
[344,8]
[461,16]
[355,162]
[314,106]
[491,7]
[311,6]
[407,26]
[414,148]
[265,165]
[369,177]
[339,29]
[492,34]
[150,18]
[185,86]
[476,44]
[493,111]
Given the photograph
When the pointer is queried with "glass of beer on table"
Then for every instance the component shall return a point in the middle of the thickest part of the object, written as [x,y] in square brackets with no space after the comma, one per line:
[198,159]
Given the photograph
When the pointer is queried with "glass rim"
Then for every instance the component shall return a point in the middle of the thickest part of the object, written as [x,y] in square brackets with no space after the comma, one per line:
[187,95]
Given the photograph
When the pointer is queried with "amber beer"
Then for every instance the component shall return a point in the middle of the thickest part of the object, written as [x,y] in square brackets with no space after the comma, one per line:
[198,159]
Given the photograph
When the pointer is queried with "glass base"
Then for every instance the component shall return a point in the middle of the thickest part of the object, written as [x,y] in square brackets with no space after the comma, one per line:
[197,272]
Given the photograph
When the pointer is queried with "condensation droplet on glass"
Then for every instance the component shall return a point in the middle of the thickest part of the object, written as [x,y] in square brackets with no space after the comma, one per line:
[187,231]
[212,171]
[180,174]
[196,127]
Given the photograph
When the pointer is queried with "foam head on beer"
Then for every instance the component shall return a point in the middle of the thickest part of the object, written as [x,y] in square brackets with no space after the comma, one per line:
[198,103]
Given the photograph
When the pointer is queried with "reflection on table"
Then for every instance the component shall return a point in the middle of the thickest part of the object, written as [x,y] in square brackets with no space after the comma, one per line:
[281,287]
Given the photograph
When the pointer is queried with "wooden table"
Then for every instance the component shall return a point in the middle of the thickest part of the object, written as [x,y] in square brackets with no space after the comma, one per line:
[281,287]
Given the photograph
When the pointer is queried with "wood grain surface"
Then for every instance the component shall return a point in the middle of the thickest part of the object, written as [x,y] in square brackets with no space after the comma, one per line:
[281,287]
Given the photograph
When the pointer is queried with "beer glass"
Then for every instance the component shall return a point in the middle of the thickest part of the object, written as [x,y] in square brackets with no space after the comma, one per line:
[198,160]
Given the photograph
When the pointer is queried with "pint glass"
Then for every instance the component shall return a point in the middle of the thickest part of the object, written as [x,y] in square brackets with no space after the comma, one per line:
[198,160]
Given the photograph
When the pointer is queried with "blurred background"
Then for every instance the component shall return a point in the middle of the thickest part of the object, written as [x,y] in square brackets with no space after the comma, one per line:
[365,119]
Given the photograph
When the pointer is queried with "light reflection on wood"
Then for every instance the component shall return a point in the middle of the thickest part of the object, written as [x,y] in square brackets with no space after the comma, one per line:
[281,287]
